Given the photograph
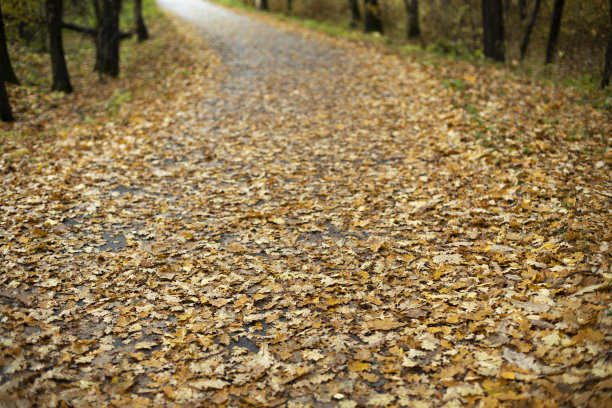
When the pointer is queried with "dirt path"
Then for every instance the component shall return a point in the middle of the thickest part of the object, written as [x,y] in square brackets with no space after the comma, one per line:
[330,226]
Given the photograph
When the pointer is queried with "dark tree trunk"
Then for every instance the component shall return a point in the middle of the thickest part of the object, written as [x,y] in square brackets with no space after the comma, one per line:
[61,79]
[6,114]
[493,29]
[141,29]
[412,9]
[529,29]
[522,4]
[555,28]
[5,61]
[372,19]
[263,5]
[605,79]
[289,6]
[355,14]
[107,36]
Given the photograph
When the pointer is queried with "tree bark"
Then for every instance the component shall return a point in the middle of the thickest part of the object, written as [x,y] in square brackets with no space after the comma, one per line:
[605,78]
[372,19]
[141,29]
[107,36]
[262,4]
[355,14]
[61,78]
[5,61]
[522,4]
[493,29]
[529,29]
[555,28]
[412,9]
[289,6]
[6,114]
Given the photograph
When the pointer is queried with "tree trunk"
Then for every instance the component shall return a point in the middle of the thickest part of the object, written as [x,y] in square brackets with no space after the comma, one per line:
[412,9]
[529,29]
[5,61]
[262,4]
[141,28]
[6,114]
[493,29]
[555,28]
[605,79]
[107,36]
[355,14]
[372,20]
[522,4]
[289,6]
[61,79]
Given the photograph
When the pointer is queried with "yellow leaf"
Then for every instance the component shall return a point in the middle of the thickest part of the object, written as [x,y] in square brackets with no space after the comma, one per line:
[358,366]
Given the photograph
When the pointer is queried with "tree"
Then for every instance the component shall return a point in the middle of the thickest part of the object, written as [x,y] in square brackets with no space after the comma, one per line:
[529,29]
[262,4]
[107,36]
[605,79]
[555,28]
[355,14]
[6,114]
[493,29]
[372,20]
[289,6]
[141,29]
[5,62]
[61,79]
[412,9]
[522,4]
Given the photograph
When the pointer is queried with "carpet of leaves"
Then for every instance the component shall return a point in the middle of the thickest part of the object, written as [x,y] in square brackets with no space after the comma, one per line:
[312,222]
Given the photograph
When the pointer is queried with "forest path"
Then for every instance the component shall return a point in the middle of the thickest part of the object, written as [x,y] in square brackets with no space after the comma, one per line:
[330,225]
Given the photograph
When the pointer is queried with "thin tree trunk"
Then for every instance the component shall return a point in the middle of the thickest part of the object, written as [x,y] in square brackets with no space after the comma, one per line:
[355,14]
[289,6]
[6,114]
[107,37]
[141,29]
[61,79]
[529,29]
[372,20]
[412,9]
[493,29]
[5,61]
[555,28]
[522,4]
[605,79]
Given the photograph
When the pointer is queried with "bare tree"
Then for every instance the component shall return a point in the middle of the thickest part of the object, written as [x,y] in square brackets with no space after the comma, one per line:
[5,61]
[555,28]
[412,9]
[493,29]
[529,29]
[372,19]
[141,29]
[605,79]
[355,14]
[107,36]
[262,4]
[61,79]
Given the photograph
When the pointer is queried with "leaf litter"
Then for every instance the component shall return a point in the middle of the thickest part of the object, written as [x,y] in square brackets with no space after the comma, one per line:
[313,222]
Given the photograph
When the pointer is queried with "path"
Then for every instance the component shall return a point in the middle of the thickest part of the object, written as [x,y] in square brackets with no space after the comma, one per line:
[327,228]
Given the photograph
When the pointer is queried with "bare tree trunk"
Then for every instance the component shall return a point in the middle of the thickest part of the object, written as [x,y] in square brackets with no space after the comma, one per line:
[372,20]
[605,78]
[555,28]
[355,14]
[107,36]
[289,6]
[493,29]
[262,4]
[529,29]
[412,9]
[522,4]
[6,114]
[141,29]
[5,61]
[61,79]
